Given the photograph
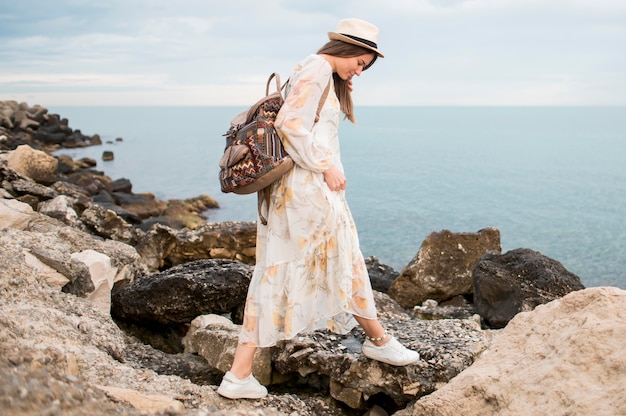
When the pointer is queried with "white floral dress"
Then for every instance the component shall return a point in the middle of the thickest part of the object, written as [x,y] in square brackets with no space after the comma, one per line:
[310,273]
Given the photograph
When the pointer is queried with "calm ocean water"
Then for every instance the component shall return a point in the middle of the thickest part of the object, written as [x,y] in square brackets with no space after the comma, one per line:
[552,179]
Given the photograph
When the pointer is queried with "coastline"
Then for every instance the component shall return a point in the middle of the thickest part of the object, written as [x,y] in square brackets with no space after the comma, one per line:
[76,260]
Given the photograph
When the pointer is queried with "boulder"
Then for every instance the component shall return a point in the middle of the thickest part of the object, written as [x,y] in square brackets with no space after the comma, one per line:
[163,247]
[91,182]
[145,205]
[181,293]
[519,280]
[565,357]
[34,164]
[108,224]
[61,208]
[53,244]
[442,269]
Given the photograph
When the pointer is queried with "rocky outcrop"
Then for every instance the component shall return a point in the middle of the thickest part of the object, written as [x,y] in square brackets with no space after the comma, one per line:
[164,247]
[516,281]
[442,268]
[65,256]
[564,357]
[324,361]
[61,355]
[67,238]
[35,126]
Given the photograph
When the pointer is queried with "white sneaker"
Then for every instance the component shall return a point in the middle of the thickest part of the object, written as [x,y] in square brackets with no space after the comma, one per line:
[392,352]
[247,388]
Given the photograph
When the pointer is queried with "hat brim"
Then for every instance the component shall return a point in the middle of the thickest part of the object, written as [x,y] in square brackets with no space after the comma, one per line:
[339,36]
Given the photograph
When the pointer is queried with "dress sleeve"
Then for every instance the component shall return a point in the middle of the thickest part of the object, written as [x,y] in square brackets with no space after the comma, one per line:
[296,117]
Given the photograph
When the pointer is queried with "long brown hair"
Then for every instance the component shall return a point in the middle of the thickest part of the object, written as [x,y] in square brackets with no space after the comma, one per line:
[345,50]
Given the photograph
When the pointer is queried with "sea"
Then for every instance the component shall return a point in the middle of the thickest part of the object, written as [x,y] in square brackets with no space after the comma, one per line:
[551,179]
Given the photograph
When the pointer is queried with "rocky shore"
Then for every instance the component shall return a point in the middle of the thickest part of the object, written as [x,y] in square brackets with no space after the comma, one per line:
[117,303]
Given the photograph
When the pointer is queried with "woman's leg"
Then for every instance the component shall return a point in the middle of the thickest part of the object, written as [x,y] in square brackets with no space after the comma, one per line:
[373,329]
[242,363]
[239,383]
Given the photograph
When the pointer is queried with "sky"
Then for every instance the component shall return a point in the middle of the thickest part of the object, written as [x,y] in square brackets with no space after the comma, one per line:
[209,52]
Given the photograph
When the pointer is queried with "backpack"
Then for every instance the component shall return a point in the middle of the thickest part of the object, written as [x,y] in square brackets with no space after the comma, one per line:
[254,156]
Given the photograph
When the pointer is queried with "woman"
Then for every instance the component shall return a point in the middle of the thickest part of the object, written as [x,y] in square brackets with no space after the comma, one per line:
[310,273]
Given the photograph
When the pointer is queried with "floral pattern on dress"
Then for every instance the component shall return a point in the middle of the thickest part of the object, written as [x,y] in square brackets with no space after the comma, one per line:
[310,273]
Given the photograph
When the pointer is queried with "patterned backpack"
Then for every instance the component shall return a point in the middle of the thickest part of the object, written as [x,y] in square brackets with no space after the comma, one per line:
[254,156]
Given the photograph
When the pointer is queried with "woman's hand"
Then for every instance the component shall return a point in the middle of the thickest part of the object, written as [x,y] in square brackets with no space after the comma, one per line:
[335,179]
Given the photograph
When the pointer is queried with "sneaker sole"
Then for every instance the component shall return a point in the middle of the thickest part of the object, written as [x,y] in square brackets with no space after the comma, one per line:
[233,395]
[391,363]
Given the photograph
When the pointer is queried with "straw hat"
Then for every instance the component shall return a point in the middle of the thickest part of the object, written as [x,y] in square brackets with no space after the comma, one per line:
[357,32]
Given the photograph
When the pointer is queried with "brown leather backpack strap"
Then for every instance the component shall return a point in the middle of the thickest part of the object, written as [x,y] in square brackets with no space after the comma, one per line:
[264,195]
[278,86]
[322,100]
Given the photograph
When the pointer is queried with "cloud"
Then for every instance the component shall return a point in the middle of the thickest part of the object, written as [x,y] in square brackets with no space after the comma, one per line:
[205,52]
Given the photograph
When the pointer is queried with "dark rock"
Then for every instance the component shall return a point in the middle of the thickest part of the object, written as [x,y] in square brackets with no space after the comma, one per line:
[517,281]
[122,185]
[91,181]
[66,164]
[49,138]
[181,293]
[381,275]
[74,140]
[103,197]
[23,186]
[107,155]
[145,205]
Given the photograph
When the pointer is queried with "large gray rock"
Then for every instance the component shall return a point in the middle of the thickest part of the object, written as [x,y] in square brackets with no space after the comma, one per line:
[442,269]
[61,208]
[56,246]
[107,224]
[519,280]
[566,357]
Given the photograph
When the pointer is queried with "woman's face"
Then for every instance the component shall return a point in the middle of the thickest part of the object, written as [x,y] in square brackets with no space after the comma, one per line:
[346,68]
